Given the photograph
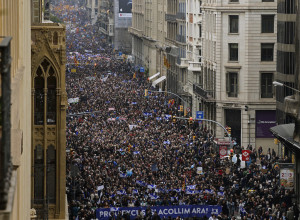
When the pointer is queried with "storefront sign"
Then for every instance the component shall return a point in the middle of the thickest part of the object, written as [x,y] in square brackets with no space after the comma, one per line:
[265,119]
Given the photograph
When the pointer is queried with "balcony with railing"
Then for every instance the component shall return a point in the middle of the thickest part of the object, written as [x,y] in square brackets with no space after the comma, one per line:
[182,62]
[194,66]
[170,17]
[135,31]
[181,38]
[6,170]
[208,95]
[181,15]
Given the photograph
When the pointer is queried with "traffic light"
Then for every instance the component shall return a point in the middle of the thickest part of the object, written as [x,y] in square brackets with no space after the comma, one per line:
[246,108]
[191,120]
[229,130]
[174,119]
[181,108]
[146,92]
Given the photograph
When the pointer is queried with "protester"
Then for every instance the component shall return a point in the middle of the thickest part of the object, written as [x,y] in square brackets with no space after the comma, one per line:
[124,149]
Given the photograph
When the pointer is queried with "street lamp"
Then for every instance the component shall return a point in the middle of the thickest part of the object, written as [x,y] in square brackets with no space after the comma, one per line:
[275,83]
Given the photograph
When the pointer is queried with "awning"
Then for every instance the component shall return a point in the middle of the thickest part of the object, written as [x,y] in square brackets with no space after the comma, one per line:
[285,135]
[155,75]
[158,80]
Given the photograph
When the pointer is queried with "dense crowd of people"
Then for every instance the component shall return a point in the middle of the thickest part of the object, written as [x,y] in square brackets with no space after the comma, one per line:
[125,150]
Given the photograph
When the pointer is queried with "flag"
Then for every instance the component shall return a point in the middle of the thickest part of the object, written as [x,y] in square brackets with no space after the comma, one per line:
[191,187]
[136,152]
[141,183]
[121,192]
[122,175]
[135,191]
[129,173]
[75,61]
[114,209]
[221,194]
[151,186]
[210,191]
[177,190]
[100,187]
[189,192]
[129,148]
[153,196]
[183,184]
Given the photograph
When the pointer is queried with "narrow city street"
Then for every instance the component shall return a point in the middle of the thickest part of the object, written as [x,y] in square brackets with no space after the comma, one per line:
[124,149]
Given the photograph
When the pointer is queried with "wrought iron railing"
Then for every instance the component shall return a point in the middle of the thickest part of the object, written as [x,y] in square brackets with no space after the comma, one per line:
[5,155]
[170,17]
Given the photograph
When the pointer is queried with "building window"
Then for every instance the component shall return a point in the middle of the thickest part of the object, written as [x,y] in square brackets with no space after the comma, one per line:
[267,0]
[266,85]
[200,31]
[51,97]
[232,84]
[38,175]
[45,69]
[233,52]
[233,0]
[233,23]
[51,174]
[267,24]
[267,51]
[39,97]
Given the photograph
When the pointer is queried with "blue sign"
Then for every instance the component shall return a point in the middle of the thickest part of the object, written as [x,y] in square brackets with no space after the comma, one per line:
[199,114]
[120,53]
[183,211]
[142,70]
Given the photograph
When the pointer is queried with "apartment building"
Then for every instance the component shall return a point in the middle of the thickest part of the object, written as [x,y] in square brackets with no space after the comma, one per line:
[15,70]
[238,68]
[194,52]
[288,90]
[148,37]
[92,8]
[106,19]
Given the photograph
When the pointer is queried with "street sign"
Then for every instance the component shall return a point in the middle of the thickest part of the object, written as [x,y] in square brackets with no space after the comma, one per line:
[142,70]
[120,53]
[199,114]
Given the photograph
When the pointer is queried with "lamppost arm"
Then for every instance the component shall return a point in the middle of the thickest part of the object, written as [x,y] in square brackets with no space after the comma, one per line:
[218,123]
[275,83]
[169,93]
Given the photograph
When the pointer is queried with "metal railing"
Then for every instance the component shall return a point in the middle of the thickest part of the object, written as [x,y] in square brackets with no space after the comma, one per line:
[170,17]
[5,155]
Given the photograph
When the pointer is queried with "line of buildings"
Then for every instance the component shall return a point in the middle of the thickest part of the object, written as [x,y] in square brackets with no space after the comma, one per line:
[33,103]
[223,57]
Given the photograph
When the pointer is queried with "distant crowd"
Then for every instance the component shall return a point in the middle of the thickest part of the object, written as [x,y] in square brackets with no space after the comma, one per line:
[124,149]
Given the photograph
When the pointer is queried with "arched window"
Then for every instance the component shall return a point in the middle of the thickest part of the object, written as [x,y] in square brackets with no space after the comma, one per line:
[55,38]
[38,175]
[51,174]
[39,84]
[45,70]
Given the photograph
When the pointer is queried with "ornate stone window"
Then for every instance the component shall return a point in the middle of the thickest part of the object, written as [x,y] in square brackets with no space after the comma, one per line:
[45,94]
